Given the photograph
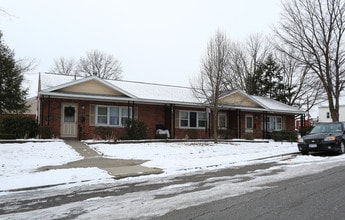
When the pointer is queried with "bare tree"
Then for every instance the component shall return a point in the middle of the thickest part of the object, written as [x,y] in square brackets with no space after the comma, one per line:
[64,66]
[100,64]
[314,30]
[5,13]
[307,89]
[209,85]
[244,59]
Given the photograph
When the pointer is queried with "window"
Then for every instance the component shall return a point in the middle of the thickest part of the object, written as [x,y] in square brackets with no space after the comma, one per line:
[112,115]
[184,119]
[192,119]
[249,122]
[327,115]
[274,123]
[222,121]
[102,115]
[202,119]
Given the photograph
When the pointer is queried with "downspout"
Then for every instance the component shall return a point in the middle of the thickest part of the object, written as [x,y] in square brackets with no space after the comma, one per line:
[206,121]
[263,125]
[172,123]
[209,124]
[128,110]
[266,125]
[238,124]
[133,110]
[42,111]
[48,109]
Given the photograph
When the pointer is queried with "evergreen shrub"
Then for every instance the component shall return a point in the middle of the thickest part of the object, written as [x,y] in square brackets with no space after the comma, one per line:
[19,126]
[104,133]
[284,136]
[135,130]
[305,130]
[45,132]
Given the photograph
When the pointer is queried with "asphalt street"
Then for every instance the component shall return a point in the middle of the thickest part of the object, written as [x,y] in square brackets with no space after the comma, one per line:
[318,196]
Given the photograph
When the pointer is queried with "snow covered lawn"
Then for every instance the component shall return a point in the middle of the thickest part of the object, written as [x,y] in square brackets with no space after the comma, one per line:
[19,162]
[175,158]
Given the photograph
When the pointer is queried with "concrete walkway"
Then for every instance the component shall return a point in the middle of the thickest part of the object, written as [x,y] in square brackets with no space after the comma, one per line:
[117,168]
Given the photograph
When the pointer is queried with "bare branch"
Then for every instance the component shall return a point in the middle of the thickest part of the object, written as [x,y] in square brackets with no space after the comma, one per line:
[314,29]
[64,66]
[100,64]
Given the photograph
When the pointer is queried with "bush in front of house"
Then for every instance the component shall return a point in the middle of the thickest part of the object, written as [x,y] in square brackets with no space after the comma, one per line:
[18,127]
[284,136]
[135,130]
[8,136]
[104,133]
[305,130]
[161,136]
[46,132]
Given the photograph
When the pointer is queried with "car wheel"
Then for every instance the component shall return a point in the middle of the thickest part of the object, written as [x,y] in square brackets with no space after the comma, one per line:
[305,152]
[342,148]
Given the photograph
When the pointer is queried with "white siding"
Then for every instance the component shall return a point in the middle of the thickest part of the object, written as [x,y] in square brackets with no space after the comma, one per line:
[325,114]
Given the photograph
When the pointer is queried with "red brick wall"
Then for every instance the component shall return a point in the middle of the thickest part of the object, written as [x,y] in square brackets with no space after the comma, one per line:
[190,133]
[50,114]
[151,115]
[257,125]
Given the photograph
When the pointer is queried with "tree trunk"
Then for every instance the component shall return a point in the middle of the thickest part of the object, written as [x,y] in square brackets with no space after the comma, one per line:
[215,125]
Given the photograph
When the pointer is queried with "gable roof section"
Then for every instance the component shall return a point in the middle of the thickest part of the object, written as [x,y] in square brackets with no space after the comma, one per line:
[84,87]
[239,98]
[242,100]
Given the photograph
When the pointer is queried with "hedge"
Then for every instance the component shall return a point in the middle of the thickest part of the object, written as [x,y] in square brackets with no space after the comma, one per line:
[284,136]
[18,127]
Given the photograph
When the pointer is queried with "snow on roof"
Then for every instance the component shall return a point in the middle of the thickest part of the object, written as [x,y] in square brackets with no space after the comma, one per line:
[149,91]
[141,90]
[274,105]
[49,80]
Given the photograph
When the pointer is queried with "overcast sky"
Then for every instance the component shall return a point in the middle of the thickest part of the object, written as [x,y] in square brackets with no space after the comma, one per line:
[159,41]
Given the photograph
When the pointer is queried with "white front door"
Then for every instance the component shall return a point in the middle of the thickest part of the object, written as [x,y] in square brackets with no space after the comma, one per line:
[69,126]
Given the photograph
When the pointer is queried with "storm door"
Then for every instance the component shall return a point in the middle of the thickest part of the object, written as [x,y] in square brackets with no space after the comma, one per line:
[69,126]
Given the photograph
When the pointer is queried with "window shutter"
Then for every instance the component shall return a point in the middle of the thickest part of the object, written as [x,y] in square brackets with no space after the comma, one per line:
[177,119]
[283,123]
[136,113]
[92,116]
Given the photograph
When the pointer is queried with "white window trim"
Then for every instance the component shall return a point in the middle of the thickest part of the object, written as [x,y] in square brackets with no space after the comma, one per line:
[121,108]
[226,121]
[197,119]
[268,125]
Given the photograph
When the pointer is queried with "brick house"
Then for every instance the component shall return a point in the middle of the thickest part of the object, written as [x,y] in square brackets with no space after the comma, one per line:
[74,107]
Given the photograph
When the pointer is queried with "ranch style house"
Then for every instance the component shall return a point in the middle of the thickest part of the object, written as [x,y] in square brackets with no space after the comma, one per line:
[74,107]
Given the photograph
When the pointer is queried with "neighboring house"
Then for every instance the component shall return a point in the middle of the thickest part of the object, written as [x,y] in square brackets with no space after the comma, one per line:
[325,114]
[75,107]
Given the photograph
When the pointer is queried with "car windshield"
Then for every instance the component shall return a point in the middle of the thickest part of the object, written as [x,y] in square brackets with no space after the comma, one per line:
[326,128]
